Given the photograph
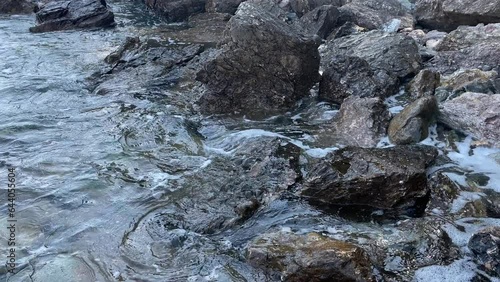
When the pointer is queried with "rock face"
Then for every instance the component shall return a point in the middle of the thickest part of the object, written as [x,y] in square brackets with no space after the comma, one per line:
[16,7]
[390,178]
[250,75]
[310,257]
[469,80]
[176,10]
[423,84]
[449,14]
[222,6]
[467,36]
[63,15]
[485,245]
[411,125]
[474,113]
[373,14]
[321,21]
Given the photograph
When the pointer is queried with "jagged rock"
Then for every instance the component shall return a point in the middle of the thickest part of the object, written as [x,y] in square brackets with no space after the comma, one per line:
[389,179]
[74,14]
[346,29]
[467,36]
[302,7]
[449,14]
[485,245]
[249,75]
[433,38]
[474,113]
[176,10]
[321,21]
[469,80]
[222,6]
[309,257]
[423,84]
[16,7]
[412,124]
[373,14]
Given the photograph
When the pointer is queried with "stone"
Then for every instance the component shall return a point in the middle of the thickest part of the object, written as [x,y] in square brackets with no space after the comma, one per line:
[374,14]
[64,15]
[176,10]
[467,36]
[302,7]
[346,29]
[485,245]
[476,114]
[433,38]
[423,84]
[222,6]
[411,125]
[16,7]
[389,179]
[449,14]
[249,75]
[468,80]
[309,257]
[321,21]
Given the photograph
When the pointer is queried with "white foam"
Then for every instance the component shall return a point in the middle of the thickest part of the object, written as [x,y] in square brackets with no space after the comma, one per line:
[459,271]
[464,198]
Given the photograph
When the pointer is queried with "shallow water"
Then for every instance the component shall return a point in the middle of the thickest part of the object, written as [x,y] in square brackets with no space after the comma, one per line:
[93,171]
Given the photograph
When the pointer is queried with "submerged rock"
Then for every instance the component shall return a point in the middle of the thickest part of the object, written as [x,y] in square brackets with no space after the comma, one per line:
[423,84]
[411,125]
[321,21]
[449,14]
[75,14]
[390,178]
[16,7]
[309,257]
[374,14]
[485,245]
[176,10]
[474,113]
[249,75]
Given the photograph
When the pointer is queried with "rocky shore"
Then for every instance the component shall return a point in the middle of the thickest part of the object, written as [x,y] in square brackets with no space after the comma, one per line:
[405,80]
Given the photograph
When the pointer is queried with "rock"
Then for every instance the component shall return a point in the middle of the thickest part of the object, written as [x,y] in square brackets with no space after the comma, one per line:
[467,36]
[411,125]
[469,80]
[321,21]
[418,35]
[423,84]
[302,7]
[373,14]
[346,29]
[309,257]
[63,15]
[449,14]
[474,113]
[176,10]
[433,38]
[16,7]
[249,75]
[222,6]
[485,245]
[389,179]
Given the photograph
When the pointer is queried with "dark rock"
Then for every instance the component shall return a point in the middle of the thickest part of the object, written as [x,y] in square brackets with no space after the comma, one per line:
[361,122]
[222,6]
[16,7]
[63,15]
[485,245]
[250,75]
[449,14]
[321,21]
[469,80]
[310,257]
[346,29]
[423,84]
[176,10]
[467,36]
[302,7]
[474,113]
[373,14]
[411,125]
[390,178]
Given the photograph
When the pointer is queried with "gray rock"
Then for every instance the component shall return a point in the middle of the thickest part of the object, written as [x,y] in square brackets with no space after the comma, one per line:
[222,6]
[321,21]
[449,14]
[16,7]
[468,80]
[390,178]
[411,125]
[474,113]
[423,84]
[374,14]
[302,7]
[63,15]
[250,75]
[485,245]
[467,36]
[176,10]
[309,257]
[346,29]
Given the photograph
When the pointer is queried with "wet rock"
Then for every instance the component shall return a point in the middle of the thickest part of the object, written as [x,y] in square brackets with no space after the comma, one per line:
[361,122]
[474,113]
[449,14]
[373,14]
[411,125]
[390,178]
[485,245]
[423,84]
[469,80]
[222,6]
[310,257]
[249,75]
[321,21]
[63,15]
[302,7]
[16,7]
[176,10]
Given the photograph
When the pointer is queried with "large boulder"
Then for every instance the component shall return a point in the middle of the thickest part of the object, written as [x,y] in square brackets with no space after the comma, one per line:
[374,14]
[388,179]
[468,80]
[16,7]
[176,10]
[449,14]
[264,67]
[73,14]
[321,21]
[309,257]
[474,113]
[302,7]
[411,125]
[485,245]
